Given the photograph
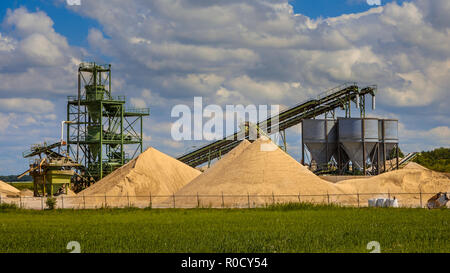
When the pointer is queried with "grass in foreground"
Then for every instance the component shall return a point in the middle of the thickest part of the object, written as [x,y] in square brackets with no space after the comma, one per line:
[286,228]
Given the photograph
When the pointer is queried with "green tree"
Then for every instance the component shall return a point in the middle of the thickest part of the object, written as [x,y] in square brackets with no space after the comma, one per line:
[437,160]
[393,153]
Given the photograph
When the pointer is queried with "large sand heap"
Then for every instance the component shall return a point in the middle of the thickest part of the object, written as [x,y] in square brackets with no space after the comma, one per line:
[8,190]
[413,179]
[260,168]
[151,173]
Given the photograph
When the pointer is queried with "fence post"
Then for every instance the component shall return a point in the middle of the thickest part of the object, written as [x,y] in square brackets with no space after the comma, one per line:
[150,200]
[273,198]
[299,200]
[328,198]
[198,201]
[0,198]
[248,199]
[128,199]
[20,201]
[223,201]
[173,195]
[106,203]
[42,202]
[389,194]
[357,195]
[84,202]
[62,201]
[420,193]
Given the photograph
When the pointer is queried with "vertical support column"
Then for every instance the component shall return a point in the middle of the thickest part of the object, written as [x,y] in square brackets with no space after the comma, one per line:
[122,154]
[363,144]
[142,133]
[326,142]
[44,182]
[349,107]
[339,159]
[396,155]
[68,130]
[100,155]
[384,146]
[283,135]
[362,105]
[378,158]
[303,146]
[78,116]
[109,70]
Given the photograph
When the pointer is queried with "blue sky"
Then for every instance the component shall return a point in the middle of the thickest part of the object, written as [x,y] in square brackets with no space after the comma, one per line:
[332,8]
[165,52]
[66,22]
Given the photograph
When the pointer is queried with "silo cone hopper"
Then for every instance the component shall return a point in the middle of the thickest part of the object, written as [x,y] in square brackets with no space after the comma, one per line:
[320,138]
[93,135]
[354,150]
[319,152]
[357,143]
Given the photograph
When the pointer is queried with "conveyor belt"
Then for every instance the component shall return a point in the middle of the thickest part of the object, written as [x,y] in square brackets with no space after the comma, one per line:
[326,102]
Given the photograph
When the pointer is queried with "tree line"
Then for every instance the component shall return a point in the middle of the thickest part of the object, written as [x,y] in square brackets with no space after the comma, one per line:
[437,160]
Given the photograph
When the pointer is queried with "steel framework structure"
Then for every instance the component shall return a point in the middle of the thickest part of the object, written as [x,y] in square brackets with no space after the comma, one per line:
[99,127]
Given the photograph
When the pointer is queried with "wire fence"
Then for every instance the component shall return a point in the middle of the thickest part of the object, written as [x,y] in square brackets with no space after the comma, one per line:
[411,200]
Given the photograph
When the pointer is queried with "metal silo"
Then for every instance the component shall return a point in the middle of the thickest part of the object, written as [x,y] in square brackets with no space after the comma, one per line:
[358,137]
[389,138]
[320,137]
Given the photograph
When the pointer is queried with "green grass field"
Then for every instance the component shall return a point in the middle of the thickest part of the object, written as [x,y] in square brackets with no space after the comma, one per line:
[281,229]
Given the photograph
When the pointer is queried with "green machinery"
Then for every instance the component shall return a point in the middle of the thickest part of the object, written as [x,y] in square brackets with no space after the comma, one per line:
[99,129]
[51,170]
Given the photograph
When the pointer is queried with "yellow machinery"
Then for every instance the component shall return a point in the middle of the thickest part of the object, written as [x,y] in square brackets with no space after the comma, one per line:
[51,171]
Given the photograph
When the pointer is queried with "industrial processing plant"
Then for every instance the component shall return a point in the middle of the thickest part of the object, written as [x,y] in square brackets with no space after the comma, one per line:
[192,126]
[90,167]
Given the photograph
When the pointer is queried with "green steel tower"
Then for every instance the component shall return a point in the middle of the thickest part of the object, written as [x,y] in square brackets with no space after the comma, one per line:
[100,131]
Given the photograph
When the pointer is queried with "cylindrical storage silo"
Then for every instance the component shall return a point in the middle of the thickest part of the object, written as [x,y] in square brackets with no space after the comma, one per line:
[320,137]
[390,130]
[358,137]
[389,135]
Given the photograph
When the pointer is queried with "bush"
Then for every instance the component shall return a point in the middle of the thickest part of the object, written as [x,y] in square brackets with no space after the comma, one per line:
[437,160]
[51,202]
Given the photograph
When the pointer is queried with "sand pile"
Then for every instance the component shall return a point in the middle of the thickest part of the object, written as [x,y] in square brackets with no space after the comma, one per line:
[151,173]
[260,168]
[8,190]
[26,193]
[414,165]
[71,192]
[411,179]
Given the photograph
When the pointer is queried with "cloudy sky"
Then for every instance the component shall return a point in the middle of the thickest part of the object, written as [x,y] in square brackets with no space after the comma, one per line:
[165,52]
